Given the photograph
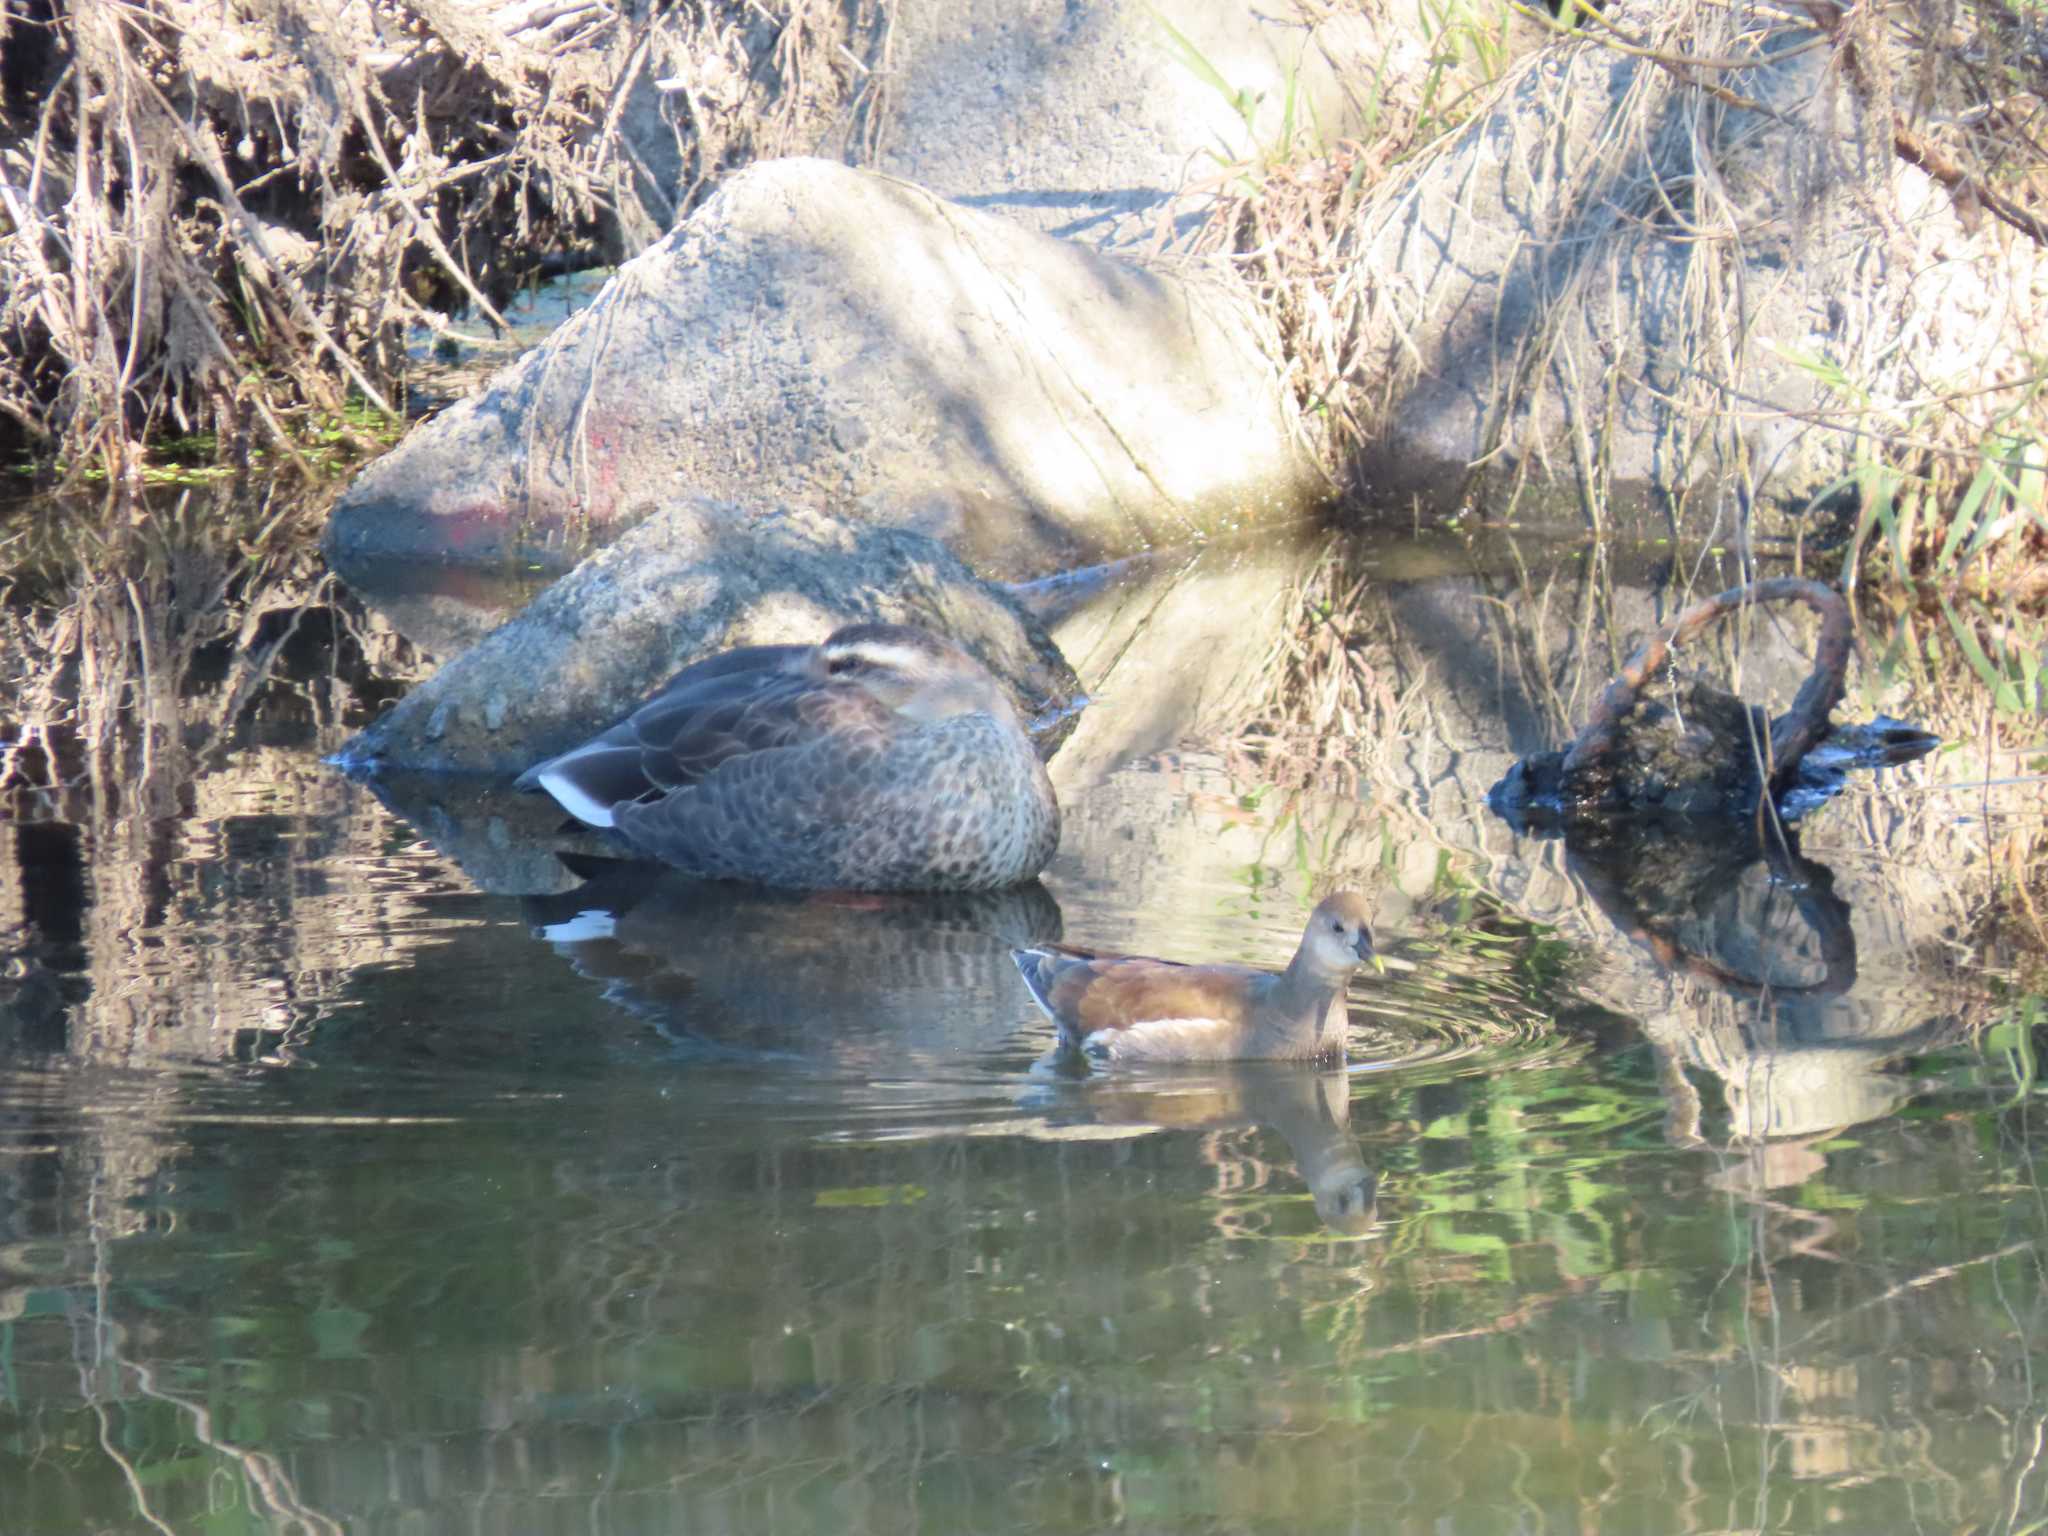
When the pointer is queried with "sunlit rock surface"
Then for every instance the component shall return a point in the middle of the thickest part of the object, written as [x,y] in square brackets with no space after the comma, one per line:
[1540,301]
[824,335]
[1084,121]
[695,579]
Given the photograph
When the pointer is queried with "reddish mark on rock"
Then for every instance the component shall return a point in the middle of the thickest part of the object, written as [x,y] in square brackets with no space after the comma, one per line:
[474,523]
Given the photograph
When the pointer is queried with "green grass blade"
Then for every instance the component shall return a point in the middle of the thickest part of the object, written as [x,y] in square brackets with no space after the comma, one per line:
[2003,694]
[1965,520]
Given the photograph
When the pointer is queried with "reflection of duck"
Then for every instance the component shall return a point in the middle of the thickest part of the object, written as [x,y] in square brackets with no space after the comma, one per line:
[1126,1008]
[1308,1110]
[884,759]
[858,978]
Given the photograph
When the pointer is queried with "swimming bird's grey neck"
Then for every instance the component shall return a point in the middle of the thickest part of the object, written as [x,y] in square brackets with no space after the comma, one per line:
[1302,997]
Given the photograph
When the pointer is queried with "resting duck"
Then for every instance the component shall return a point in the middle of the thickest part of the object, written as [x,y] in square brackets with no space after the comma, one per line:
[1123,1008]
[884,759]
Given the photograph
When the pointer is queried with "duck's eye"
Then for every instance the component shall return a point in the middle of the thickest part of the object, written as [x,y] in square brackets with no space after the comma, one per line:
[1337,925]
[839,666]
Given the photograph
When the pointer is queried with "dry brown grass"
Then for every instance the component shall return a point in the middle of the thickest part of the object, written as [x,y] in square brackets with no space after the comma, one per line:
[213,218]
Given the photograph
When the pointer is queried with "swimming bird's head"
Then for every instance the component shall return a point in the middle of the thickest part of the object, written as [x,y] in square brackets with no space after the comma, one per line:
[1338,939]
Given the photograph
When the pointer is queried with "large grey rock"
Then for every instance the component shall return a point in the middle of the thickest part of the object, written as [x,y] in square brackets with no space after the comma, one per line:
[693,579]
[825,335]
[1605,278]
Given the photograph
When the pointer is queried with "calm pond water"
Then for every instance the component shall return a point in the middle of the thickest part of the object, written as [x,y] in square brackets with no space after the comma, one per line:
[362,1174]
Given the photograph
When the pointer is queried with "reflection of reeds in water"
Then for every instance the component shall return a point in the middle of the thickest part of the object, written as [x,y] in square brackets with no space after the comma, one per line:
[1973,674]
[145,914]
[147,654]
[102,678]
[1329,709]
[1402,692]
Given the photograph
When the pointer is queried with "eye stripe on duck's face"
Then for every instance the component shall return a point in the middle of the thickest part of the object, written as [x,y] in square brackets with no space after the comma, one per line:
[862,656]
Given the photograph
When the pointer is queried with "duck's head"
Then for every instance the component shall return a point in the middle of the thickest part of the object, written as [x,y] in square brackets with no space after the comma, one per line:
[912,672]
[1338,939]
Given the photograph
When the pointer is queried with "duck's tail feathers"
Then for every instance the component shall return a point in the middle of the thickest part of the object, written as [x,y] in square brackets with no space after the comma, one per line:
[590,780]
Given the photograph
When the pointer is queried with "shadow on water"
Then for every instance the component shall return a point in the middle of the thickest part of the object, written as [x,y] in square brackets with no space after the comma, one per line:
[1682,1185]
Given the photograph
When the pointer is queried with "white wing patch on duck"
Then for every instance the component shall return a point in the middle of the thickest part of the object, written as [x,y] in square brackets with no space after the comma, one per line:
[584,926]
[558,778]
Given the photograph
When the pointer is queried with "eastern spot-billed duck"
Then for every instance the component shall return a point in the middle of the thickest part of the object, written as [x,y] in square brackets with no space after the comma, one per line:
[1124,1008]
[884,759]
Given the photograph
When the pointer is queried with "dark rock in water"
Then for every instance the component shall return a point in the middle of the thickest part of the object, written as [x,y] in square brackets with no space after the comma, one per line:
[1699,756]
[694,579]
[1699,751]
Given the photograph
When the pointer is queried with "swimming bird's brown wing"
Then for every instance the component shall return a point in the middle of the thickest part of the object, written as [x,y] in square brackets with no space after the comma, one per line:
[1086,993]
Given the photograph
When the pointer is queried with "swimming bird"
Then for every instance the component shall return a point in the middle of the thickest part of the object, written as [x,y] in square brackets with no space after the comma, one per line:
[883,759]
[1126,1008]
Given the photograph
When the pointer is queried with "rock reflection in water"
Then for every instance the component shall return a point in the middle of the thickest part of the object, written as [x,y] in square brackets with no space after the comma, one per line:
[1736,908]
[861,978]
[1309,1110]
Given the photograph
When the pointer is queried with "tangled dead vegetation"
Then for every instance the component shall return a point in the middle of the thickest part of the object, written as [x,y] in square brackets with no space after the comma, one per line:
[1648,178]
[220,218]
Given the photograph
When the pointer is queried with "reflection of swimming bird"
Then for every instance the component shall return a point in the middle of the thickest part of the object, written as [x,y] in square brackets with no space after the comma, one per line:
[1311,1112]
[1124,1008]
[884,759]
